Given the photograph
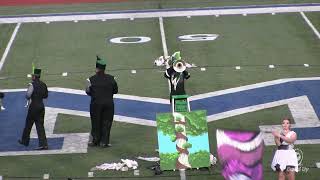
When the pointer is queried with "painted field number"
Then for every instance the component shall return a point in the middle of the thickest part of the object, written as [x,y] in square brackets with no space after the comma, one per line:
[198,37]
[130,40]
[144,39]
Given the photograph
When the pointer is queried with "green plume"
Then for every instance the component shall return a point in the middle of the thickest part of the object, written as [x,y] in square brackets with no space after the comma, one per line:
[33,67]
[176,56]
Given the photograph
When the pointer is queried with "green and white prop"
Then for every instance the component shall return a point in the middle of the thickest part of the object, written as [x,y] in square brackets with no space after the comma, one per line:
[183,140]
[180,103]
[183,137]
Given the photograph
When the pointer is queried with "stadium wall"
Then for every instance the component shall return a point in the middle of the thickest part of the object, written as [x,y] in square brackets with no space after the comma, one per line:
[44,2]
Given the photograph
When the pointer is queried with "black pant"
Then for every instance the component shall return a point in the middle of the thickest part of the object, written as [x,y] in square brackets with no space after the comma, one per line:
[101,122]
[35,115]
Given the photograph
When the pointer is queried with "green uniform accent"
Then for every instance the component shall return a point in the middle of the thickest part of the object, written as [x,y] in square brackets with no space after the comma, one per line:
[176,56]
[36,72]
[101,63]
[33,67]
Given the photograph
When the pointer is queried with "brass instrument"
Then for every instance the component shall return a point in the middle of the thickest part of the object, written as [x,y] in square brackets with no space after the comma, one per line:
[179,66]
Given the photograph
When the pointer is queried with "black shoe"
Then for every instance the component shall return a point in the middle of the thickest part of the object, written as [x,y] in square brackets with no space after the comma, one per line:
[105,145]
[41,148]
[92,144]
[23,143]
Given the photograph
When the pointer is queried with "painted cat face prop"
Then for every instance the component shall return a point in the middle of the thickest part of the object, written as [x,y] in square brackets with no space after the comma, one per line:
[240,154]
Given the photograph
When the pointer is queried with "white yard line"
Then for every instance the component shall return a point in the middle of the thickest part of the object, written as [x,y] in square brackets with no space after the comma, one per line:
[157,13]
[316,32]
[164,44]
[163,37]
[5,54]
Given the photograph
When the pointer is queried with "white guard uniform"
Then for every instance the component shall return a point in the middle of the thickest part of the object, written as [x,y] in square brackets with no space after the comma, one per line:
[286,156]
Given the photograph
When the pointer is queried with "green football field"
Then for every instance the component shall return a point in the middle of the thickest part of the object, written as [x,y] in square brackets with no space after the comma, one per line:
[252,42]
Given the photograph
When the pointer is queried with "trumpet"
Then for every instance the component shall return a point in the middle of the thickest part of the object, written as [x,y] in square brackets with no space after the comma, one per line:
[179,66]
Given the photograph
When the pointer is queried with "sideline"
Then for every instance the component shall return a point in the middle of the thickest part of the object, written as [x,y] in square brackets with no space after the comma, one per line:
[152,13]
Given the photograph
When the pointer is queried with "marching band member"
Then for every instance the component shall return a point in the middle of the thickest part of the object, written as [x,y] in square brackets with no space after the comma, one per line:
[37,91]
[101,87]
[176,74]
